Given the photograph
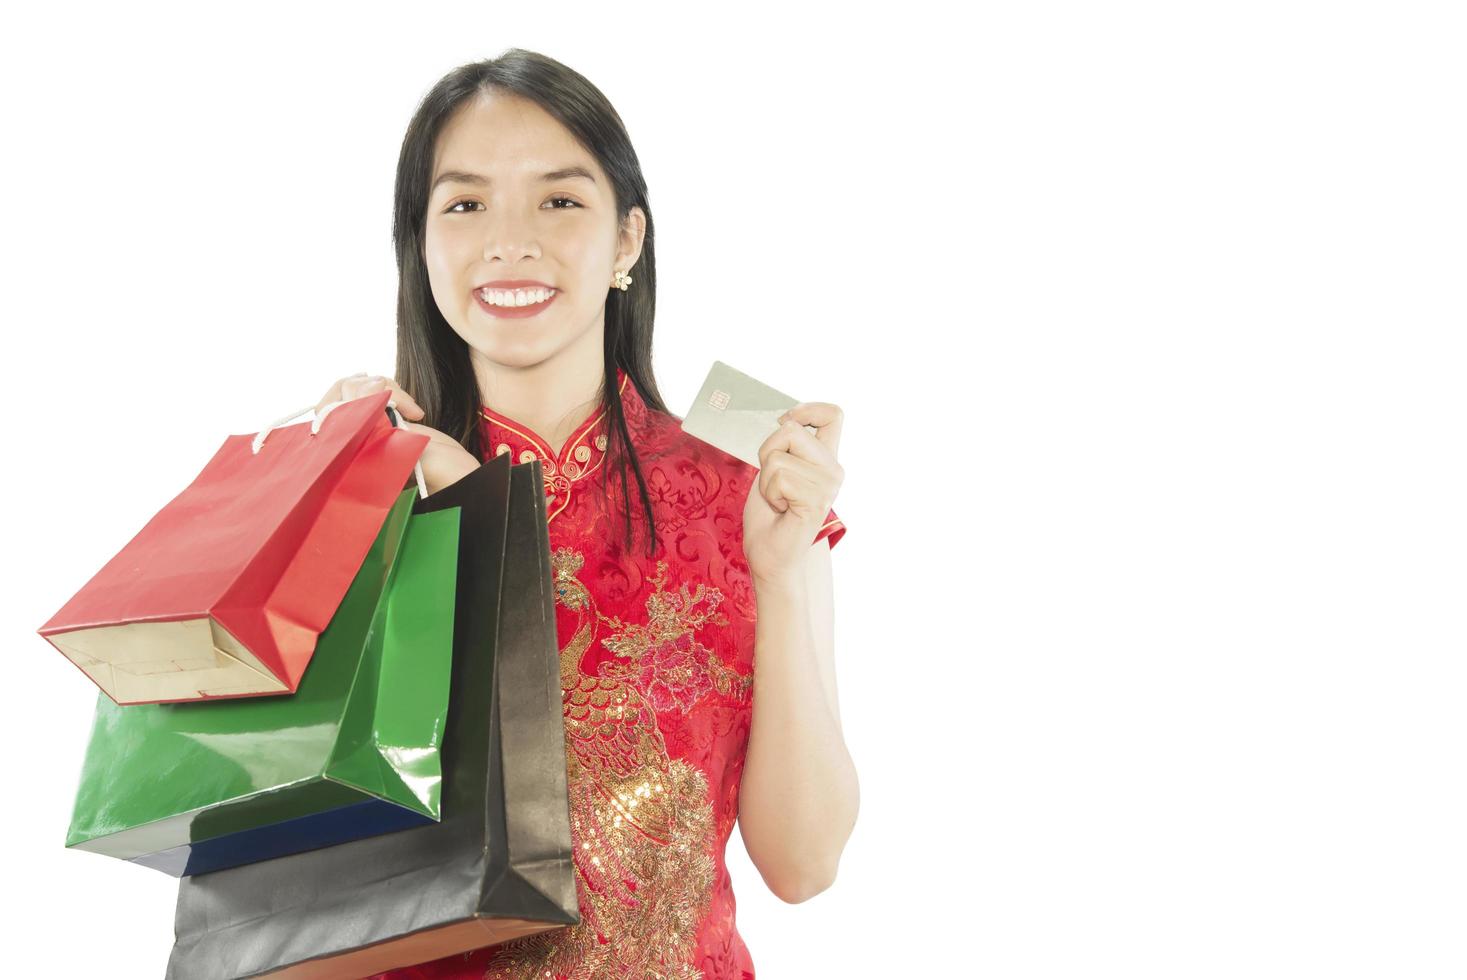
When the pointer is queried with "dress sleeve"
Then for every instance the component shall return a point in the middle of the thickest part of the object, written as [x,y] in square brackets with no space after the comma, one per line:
[832,530]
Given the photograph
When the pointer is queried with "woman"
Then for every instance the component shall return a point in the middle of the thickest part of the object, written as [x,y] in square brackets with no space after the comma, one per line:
[524,246]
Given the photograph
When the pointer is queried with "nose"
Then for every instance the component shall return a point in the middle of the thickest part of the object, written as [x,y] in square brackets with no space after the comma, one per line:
[510,241]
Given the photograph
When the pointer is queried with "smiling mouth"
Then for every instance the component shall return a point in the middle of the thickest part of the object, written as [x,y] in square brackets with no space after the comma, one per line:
[511,298]
[514,303]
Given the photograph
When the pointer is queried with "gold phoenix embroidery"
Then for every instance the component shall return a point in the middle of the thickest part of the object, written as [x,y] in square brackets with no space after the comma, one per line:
[641,823]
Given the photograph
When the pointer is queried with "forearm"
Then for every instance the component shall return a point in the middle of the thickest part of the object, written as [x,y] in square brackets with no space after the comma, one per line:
[799,793]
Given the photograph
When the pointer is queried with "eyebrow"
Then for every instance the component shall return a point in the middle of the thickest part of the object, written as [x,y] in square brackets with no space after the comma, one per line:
[464,177]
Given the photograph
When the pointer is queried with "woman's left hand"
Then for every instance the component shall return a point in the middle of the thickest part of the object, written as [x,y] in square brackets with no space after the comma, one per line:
[798,480]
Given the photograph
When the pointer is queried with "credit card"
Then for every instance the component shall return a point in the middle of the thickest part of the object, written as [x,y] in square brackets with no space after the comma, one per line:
[736,413]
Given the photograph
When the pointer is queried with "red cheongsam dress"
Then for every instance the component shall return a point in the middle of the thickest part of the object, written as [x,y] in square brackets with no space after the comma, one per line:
[656,667]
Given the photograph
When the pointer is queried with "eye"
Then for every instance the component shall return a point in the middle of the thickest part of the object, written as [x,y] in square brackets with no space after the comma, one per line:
[453,208]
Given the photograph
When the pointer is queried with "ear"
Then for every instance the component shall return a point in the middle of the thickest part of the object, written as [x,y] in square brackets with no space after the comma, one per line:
[630,237]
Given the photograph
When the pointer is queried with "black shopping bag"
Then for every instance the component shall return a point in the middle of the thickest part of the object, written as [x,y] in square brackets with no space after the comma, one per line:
[498,865]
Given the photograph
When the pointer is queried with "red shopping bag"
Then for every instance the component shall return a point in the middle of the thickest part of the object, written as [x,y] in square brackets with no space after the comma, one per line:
[225,591]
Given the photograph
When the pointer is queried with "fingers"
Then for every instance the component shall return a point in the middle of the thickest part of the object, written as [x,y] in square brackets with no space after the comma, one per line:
[362,384]
[333,394]
[792,437]
[796,465]
[788,480]
[827,417]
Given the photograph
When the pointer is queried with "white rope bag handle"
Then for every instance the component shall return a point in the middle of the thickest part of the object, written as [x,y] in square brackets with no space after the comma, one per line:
[320,417]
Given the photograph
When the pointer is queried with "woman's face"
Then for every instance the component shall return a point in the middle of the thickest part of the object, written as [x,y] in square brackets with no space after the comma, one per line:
[493,215]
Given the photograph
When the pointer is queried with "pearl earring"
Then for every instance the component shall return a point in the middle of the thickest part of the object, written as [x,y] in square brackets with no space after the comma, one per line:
[622,280]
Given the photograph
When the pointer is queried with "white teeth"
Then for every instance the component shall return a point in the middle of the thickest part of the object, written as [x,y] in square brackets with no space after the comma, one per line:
[515,297]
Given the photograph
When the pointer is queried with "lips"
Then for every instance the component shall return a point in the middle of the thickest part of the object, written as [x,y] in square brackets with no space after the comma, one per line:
[514,284]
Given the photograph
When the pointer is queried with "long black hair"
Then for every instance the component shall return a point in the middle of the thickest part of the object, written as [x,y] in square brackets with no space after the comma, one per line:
[432,359]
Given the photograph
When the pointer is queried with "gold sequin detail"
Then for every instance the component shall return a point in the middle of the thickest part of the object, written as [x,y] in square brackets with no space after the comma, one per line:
[641,823]
[601,442]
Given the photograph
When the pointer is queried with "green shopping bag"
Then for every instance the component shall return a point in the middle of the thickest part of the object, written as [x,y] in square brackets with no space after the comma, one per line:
[192,787]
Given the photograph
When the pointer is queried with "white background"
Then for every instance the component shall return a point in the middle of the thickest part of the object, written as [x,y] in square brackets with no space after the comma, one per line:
[1146,320]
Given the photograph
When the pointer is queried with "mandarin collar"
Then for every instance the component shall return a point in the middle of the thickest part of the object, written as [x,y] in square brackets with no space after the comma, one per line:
[582,455]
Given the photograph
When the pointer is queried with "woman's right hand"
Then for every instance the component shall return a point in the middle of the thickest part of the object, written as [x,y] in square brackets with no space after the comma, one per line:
[445,461]
[362,383]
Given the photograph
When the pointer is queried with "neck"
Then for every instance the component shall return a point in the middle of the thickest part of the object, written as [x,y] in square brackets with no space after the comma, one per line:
[552,397]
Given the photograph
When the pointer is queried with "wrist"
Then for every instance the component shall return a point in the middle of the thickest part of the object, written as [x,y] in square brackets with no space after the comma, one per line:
[787,584]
